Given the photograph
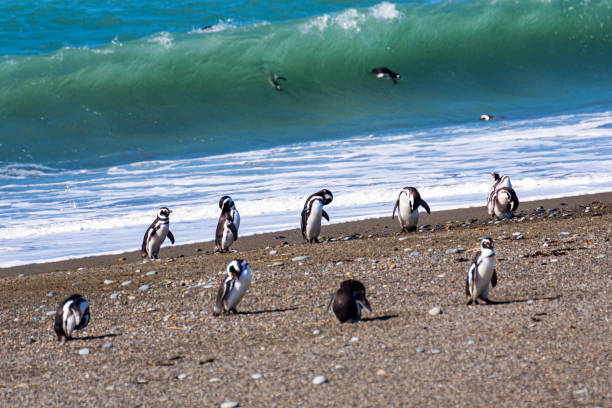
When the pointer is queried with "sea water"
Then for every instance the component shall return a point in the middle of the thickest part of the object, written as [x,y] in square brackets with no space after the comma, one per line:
[109,111]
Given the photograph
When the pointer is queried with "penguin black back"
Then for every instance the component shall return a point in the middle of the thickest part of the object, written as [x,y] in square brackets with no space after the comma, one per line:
[72,314]
[349,300]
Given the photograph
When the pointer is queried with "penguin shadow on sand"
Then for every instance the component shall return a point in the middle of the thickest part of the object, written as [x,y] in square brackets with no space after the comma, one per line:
[525,300]
[278,310]
[99,337]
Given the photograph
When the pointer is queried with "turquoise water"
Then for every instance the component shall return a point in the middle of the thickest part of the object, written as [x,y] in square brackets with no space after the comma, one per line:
[109,110]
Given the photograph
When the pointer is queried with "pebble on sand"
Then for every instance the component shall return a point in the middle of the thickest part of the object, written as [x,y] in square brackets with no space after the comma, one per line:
[182,376]
[299,258]
[319,379]
[114,296]
[151,273]
[354,339]
[109,282]
[51,294]
[230,404]
[257,376]
[84,351]
[128,282]
[50,313]
[435,311]
[316,332]
[144,287]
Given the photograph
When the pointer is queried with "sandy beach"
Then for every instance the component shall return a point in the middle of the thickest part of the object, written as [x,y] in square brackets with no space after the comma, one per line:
[153,340]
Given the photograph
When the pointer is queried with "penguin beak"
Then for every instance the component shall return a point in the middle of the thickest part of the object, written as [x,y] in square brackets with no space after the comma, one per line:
[363,301]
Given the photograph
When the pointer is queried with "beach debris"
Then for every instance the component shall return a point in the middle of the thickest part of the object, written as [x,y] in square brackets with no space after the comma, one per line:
[256,376]
[144,287]
[299,258]
[319,379]
[435,311]
[122,259]
[230,404]
[84,351]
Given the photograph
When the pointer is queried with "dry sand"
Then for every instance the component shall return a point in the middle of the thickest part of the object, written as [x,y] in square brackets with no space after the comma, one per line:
[546,341]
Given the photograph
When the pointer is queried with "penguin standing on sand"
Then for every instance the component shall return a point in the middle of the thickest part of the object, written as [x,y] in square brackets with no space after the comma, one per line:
[408,202]
[72,314]
[233,287]
[312,213]
[481,273]
[502,200]
[348,301]
[384,72]
[227,227]
[156,234]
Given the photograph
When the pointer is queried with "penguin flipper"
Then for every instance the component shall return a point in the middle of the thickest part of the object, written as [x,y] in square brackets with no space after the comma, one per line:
[324,214]
[143,249]
[425,206]
[303,224]
[232,228]
[395,208]
[494,279]
[283,78]
[394,81]
[170,236]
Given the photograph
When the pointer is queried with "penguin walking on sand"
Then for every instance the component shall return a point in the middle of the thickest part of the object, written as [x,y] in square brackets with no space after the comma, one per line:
[273,78]
[384,72]
[349,300]
[408,202]
[156,234]
[233,288]
[227,227]
[312,213]
[481,273]
[72,314]
[502,200]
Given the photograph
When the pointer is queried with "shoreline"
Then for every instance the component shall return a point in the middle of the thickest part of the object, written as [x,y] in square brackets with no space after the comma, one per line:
[375,226]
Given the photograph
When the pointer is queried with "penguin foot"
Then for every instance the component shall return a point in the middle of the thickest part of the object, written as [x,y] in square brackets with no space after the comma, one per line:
[488,302]
[469,302]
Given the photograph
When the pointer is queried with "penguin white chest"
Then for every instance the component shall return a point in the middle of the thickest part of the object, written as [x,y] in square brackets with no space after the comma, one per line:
[156,238]
[228,237]
[485,272]
[407,217]
[238,290]
[313,224]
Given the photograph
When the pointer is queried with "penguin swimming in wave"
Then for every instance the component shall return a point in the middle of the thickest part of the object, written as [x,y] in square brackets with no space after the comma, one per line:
[481,273]
[156,234]
[273,78]
[233,288]
[72,314]
[408,202]
[312,213]
[502,200]
[384,72]
[348,301]
[227,227]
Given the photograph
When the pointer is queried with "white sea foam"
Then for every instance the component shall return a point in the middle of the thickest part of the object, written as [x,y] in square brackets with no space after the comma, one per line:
[164,38]
[385,11]
[549,157]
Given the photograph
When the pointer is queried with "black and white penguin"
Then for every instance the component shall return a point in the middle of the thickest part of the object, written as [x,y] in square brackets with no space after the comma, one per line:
[384,72]
[234,287]
[156,234]
[312,213]
[72,314]
[502,200]
[348,301]
[481,273]
[408,202]
[273,78]
[227,227]
[486,116]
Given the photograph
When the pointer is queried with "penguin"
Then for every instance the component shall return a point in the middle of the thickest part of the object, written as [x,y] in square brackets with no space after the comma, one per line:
[156,234]
[384,72]
[312,213]
[502,200]
[72,314]
[481,273]
[408,202]
[486,116]
[234,287]
[348,301]
[274,80]
[227,227]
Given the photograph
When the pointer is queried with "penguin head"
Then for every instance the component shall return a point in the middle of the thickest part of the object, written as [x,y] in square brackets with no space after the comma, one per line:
[226,203]
[236,267]
[326,196]
[486,243]
[397,76]
[485,117]
[495,176]
[358,292]
[164,212]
